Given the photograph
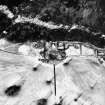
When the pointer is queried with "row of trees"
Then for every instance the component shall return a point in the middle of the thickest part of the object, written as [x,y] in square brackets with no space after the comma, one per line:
[23,32]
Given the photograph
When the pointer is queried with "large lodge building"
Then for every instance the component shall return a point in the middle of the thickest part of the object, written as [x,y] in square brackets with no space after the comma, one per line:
[79,48]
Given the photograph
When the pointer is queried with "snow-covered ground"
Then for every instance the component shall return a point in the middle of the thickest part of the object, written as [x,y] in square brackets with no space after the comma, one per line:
[73,80]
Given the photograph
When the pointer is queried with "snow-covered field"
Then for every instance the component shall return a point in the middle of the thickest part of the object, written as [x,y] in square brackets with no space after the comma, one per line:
[73,80]
[79,80]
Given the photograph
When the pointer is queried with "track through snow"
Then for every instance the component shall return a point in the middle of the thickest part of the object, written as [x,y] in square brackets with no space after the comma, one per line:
[73,80]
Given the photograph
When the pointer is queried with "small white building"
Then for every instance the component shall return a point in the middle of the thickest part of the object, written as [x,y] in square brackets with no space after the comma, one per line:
[24,49]
[3,43]
[87,51]
[72,51]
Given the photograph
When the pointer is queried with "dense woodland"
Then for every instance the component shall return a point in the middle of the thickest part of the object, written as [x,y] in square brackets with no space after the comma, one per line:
[23,32]
[90,13]
[86,12]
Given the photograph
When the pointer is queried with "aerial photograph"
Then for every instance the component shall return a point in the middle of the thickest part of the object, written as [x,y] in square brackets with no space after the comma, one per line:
[52,52]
